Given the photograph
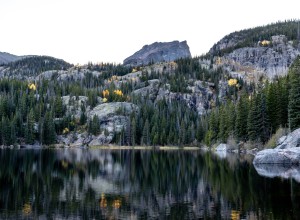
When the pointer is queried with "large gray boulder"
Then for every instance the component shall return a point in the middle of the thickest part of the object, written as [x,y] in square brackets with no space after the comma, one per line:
[223,147]
[278,156]
[159,52]
[290,141]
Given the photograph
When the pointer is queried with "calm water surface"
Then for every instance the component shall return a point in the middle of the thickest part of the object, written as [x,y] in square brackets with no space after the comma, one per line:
[127,184]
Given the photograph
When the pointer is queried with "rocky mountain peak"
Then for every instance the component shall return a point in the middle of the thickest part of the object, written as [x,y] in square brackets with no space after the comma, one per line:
[159,52]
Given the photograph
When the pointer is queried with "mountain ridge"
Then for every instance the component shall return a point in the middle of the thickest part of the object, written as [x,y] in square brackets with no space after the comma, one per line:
[159,52]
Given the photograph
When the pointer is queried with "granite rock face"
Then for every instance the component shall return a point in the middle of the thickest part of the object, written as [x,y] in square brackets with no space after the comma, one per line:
[159,52]
[273,60]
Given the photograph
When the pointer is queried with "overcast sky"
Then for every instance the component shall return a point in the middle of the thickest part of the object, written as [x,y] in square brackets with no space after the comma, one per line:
[79,31]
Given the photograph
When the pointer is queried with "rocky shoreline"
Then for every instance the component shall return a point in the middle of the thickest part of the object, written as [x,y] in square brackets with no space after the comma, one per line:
[287,151]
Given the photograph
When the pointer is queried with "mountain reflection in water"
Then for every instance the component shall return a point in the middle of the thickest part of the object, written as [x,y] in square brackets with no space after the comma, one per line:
[128,184]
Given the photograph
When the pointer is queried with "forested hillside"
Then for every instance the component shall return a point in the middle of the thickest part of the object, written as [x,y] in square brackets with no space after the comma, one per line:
[191,101]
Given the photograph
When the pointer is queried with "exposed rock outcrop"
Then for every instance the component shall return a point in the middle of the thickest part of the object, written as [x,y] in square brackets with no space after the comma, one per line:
[113,118]
[159,52]
[73,105]
[272,59]
[74,74]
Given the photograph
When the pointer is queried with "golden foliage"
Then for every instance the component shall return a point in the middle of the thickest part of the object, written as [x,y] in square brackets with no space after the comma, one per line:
[118,92]
[232,82]
[26,209]
[103,201]
[116,203]
[32,86]
[105,93]
[235,215]
[134,70]
[265,43]
[64,164]
[113,78]
[218,61]
[104,100]
[66,131]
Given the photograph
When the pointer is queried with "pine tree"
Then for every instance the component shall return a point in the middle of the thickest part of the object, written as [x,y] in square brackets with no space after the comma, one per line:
[29,130]
[294,95]
[133,131]
[146,134]
[58,106]
[49,135]
[241,118]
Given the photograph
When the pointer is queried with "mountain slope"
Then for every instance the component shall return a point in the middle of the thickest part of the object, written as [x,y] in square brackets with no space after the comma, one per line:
[7,58]
[30,66]
[266,51]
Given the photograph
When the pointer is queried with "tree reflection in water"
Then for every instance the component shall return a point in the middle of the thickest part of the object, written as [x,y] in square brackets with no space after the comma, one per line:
[124,184]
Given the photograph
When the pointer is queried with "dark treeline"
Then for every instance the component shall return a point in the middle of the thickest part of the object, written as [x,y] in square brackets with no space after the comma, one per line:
[160,123]
[33,65]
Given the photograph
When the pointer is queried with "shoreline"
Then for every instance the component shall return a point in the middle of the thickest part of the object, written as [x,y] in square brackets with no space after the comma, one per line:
[104,147]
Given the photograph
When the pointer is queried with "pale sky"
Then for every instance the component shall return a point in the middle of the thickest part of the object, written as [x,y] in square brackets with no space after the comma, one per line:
[80,31]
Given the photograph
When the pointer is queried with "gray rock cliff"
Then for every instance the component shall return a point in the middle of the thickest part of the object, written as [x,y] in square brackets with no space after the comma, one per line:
[158,52]
[273,60]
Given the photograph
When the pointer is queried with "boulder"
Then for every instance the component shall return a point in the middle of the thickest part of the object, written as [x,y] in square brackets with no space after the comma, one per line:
[290,141]
[222,147]
[287,152]
[159,52]
[278,156]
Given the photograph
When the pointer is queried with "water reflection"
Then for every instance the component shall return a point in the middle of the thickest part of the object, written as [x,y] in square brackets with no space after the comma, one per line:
[285,171]
[126,184]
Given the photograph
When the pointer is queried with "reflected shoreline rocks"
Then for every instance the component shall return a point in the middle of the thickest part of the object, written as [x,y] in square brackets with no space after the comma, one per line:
[278,170]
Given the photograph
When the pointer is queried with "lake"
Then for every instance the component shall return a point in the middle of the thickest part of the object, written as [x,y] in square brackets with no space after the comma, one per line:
[140,184]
